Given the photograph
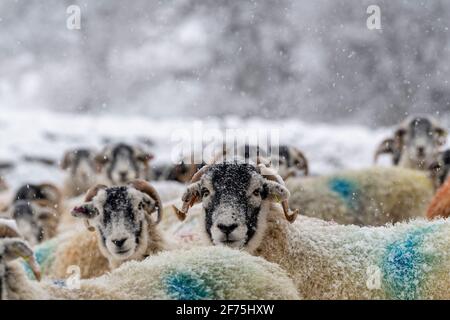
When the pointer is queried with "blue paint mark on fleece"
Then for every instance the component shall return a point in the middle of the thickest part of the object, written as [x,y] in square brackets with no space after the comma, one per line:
[405,265]
[43,254]
[347,190]
[182,285]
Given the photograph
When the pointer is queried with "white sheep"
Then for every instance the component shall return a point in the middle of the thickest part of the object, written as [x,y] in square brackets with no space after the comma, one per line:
[120,163]
[125,229]
[373,196]
[415,144]
[325,260]
[201,273]
[37,211]
[81,169]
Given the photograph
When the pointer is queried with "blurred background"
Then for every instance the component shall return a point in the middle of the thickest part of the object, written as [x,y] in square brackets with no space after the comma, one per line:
[137,70]
[311,60]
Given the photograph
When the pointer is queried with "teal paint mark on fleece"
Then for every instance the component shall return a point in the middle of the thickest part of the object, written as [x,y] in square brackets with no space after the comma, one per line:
[182,285]
[347,191]
[44,255]
[405,265]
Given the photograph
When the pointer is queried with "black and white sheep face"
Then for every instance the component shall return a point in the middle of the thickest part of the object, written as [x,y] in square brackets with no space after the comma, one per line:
[291,162]
[440,169]
[34,220]
[122,163]
[120,216]
[421,139]
[236,200]
[81,166]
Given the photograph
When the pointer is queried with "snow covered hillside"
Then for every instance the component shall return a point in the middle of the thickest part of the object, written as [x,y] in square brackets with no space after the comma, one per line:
[45,135]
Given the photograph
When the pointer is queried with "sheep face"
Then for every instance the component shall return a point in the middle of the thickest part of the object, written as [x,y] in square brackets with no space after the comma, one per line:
[122,163]
[440,169]
[420,139]
[81,167]
[36,220]
[291,162]
[120,216]
[236,199]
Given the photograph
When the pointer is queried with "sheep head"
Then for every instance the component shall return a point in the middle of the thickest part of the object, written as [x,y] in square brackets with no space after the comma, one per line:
[416,142]
[236,197]
[122,163]
[121,216]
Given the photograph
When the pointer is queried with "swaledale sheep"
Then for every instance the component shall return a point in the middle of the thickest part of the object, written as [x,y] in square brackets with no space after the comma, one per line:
[81,170]
[325,260]
[201,273]
[440,169]
[415,144]
[37,211]
[373,196]
[120,163]
[291,162]
[125,229]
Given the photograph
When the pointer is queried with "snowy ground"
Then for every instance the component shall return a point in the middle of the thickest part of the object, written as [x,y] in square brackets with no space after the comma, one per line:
[48,135]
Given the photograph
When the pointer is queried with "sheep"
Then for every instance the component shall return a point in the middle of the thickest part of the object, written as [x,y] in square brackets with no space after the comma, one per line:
[120,163]
[325,260]
[440,205]
[372,196]
[200,273]
[180,172]
[81,170]
[37,211]
[440,168]
[125,229]
[289,160]
[415,143]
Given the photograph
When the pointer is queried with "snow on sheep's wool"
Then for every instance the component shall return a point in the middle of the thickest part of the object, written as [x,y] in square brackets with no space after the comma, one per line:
[373,196]
[330,261]
[195,274]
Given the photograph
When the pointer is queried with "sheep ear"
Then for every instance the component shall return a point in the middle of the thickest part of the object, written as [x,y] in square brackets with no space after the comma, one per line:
[85,211]
[276,192]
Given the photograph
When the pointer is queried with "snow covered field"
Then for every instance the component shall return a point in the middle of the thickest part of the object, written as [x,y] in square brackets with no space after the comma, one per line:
[44,134]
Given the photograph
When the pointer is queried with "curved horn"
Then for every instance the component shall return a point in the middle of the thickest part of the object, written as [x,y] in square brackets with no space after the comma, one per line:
[386,146]
[57,193]
[92,192]
[198,175]
[146,188]
[189,202]
[270,174]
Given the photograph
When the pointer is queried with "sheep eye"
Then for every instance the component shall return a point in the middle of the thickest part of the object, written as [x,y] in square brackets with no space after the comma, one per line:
[257,193]
[205,192]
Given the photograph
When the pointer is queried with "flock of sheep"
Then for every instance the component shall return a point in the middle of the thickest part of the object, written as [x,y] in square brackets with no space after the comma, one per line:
[234,228]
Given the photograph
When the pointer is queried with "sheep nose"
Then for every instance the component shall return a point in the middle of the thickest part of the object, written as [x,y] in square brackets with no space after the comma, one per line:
[421,151]
[123,174]
[119,242]
[227,229]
